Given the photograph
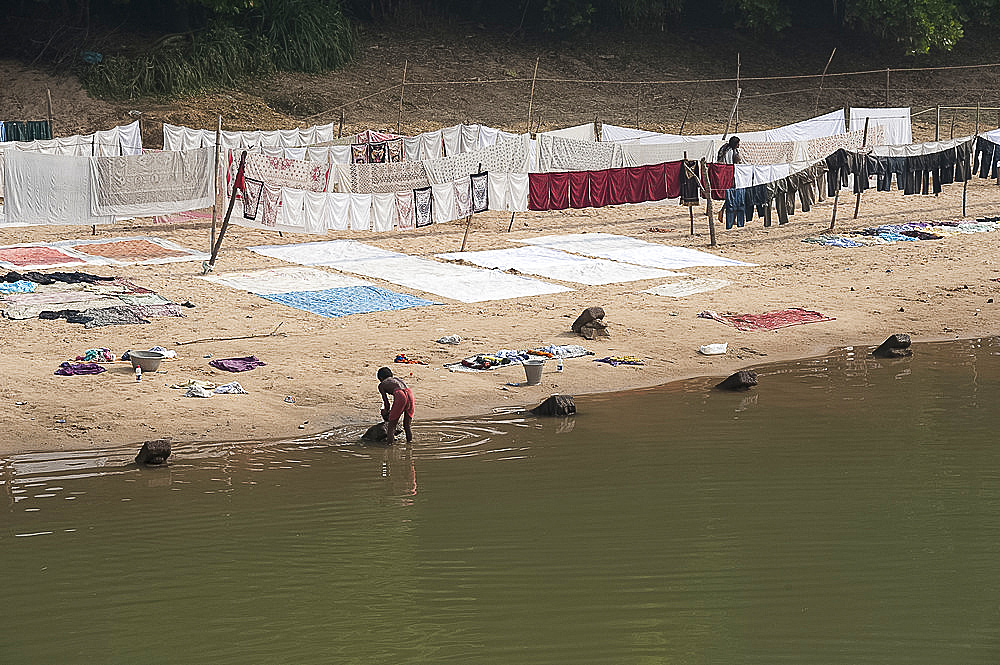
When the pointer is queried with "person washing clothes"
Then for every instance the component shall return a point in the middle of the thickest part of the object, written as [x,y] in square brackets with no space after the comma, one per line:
[729,153]
[402,404]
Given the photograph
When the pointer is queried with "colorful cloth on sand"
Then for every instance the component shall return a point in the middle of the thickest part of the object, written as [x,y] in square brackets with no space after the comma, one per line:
[237,364]
[508,357]
[401,358]
[73,369]
[97,355]
[781,318]
[480,192]
[20,286]
[423,206]
[614,361]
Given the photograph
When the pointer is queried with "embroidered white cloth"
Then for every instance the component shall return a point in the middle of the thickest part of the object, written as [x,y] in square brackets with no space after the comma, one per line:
[48,189]
[284,280]
[155,183]
[405,217]
[508,156]
[177,137]
[895,121]
[559,154]
[631,250]
[555,264]
[643,154]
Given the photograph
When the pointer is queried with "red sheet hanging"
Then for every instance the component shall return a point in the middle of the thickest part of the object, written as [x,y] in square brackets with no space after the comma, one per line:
[558,191]
[579,189]
[538,191]
[598,188]
[722,177]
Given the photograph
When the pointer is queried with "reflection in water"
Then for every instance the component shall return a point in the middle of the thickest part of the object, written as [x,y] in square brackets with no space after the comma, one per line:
[846,511]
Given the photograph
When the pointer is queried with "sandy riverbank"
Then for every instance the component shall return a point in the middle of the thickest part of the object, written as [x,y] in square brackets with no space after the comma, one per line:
[929,289]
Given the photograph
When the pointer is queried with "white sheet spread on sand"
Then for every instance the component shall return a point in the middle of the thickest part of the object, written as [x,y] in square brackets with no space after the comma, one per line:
[631,250]
[462,283]
[284,280]
[687,287]
[554,264]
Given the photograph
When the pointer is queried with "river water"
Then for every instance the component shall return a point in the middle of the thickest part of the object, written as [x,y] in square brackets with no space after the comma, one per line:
[846,511]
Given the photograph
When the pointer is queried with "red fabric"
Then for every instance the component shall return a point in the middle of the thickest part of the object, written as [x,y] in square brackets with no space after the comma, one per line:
[402,402]
[558,191]
[793,316]
[538,191]
[598,188]
[579,189]
[636,179]
[722,177]
[656,182]
[617,187]
[673,176]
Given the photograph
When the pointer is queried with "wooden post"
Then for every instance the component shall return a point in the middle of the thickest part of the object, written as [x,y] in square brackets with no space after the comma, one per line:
[937,123]
[48,94]
[531,97]
[399,120]
[597,128]
[736,111]
[638,92]
[864,141]
[340,130]
[690,208]
[836,197]
[887,87]
[215,201]
[954,112]
[965,192]
[823,76]
[468,221]
[732,112]
[511,225]
[208,267]
[708,205]
[977,118]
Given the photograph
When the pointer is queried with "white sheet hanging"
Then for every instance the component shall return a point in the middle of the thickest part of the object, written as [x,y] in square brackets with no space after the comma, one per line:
[452,137]
[154,183]
[317,215]
[444,202]
[361,212]
[895,121]
[48,189]
[584,132]
[497,184]
[340,210]
[517,192]
[383,211]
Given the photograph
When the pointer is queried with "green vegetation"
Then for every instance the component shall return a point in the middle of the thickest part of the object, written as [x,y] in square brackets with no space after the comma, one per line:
[237,43]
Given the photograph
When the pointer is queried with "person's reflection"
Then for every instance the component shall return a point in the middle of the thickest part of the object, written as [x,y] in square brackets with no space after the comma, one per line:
[398,469]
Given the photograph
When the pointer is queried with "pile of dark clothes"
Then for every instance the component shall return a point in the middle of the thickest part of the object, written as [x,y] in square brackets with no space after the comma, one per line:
[46,278]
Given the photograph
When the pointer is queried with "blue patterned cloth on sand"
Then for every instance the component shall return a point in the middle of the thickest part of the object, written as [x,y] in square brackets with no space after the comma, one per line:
[348,300]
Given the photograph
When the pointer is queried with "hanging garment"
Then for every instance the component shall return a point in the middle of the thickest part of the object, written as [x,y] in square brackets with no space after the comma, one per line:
[636,183]
[735,208]
[405,219]
[317,212]
[498,191]
[463,197]
[517,192]
[48,189]
[383,211]
[291,210]
[452,137]
[423,206]
[480,186]
[558,191]
[721,178]
[431,146]
[394,150]
[155,183]
[444,202]
[690,183]
[618,187]
[538,191]
[986,156]
[361,212]
[673,178]
[340,210]
[656,182]
[252,194]
[579,189]
[411,148]
[598,183]
[470,138]
[359,153]
[377,153]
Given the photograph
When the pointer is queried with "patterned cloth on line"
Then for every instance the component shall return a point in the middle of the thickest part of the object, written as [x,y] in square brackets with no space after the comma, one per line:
[781,318]
[348,300]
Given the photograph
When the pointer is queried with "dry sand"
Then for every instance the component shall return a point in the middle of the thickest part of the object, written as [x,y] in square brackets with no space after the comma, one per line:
[929,289]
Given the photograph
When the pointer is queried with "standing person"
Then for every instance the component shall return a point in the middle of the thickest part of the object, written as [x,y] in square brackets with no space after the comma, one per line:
[402,404]
[729,153]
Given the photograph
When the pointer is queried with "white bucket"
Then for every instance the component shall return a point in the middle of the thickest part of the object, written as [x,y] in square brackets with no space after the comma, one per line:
[533,371]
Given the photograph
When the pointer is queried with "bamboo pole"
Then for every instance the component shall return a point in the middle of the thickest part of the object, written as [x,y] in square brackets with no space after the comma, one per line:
[732,112]
[736,111]
[210,265]
[952,133]
[937,123]
[977,118]
[864,142]
[531,97]
[887,87]
[468,221]
[399,120]
[708,204]
[690,208]
[48,94]
[511,225]
[215,202]
[822,77]
[836,198]
[340,130]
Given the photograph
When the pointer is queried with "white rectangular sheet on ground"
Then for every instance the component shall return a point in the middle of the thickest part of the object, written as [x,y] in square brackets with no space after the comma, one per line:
[284,280]
[687,287]
[462,283]
[632,250]
[895,121]
[324,252]
[554,264]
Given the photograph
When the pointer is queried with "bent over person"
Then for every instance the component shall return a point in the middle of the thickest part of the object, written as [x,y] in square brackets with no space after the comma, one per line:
[402,404]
